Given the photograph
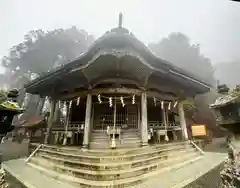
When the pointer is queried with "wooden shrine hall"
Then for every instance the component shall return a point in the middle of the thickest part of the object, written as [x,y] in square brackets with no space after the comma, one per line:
[117,94]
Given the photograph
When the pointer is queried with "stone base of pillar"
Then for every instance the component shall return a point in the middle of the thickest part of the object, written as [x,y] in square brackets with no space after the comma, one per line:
[85,146]
[144,144]
[64,141]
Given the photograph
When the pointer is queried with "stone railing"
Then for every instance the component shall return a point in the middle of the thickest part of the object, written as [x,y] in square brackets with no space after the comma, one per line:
[79,126]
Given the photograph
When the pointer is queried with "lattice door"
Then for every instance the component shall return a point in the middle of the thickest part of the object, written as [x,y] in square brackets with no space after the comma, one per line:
[125,116]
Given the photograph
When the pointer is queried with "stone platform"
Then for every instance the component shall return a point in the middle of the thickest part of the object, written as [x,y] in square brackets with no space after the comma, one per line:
[166,166]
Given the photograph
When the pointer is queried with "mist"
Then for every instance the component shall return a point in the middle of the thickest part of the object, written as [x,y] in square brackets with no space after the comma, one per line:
[214,24]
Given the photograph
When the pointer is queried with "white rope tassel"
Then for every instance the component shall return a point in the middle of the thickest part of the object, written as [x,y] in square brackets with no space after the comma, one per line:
[169,105]
[133,99]
[155,101]
[162,103]
[99,99]
[70,104]
[166,137]
[175,104]
[110,102]
[59,104]
[78,101]
[122,101]
[65,105]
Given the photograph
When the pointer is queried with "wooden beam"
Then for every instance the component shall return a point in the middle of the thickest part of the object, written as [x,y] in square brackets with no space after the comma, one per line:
[102,90]
[114,80]
[160,95]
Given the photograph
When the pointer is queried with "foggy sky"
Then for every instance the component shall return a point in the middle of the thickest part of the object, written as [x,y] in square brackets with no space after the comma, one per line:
[215,24]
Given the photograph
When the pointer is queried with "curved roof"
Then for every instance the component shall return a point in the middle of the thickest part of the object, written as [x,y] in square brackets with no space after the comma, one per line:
[116,44]
[224,100]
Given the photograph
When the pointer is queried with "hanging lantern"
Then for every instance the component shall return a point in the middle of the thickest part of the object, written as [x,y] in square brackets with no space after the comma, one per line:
[162,104]
[155,101]
[99,99]
[133,99]
[78,101]
[175,104]
[169,105]
[110,102]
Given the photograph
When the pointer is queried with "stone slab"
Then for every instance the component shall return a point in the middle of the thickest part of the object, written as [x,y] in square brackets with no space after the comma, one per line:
[187,174]
[179,178]
[30,177]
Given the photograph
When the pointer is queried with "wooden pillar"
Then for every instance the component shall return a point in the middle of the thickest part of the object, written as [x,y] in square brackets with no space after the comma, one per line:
[182,121]
[144,127]
[164,117]
[139,117]
[87,121]
[66,123]
[165,121]
[56,117]
[50,121]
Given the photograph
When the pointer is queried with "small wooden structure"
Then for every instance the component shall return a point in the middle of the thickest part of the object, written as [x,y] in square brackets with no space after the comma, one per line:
[32,129]
[227,112]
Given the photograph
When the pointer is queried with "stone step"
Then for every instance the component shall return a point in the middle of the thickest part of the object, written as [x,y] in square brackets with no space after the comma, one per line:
[119,144]
[99,134]
[98,131]
[114,175]
[130,134]
[111,152]
[107,138]
[112,183]
[131,139]
[113,166]
[100,139]
[106,144]
[99,145]
[123,130]
[145,153]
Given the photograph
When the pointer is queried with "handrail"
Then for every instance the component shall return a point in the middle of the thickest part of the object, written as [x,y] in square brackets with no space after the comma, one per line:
[197,147]
[33,153]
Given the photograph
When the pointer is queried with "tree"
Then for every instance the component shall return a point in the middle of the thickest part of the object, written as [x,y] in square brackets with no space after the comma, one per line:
[177,49]
[41,51]
[3,96]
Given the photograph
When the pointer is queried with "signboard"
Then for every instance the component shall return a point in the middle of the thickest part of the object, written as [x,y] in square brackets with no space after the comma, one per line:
[199,130]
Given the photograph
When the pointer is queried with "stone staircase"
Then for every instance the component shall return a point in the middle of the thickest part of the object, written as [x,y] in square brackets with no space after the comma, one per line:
[130,138]
[99,140]
[112,168]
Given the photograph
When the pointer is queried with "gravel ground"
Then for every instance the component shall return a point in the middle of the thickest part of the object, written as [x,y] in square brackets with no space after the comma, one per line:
[230,175]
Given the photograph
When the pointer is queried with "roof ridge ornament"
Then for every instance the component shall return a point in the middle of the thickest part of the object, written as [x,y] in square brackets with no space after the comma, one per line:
[120,20]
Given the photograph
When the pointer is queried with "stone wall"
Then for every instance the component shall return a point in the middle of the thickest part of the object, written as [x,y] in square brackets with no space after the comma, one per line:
[231,172]
[13,150]
[212,179]
[12,181]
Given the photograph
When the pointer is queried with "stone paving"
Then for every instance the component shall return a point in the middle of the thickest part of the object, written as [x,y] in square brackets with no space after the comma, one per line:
[176,178]
[187,174]
[31,177]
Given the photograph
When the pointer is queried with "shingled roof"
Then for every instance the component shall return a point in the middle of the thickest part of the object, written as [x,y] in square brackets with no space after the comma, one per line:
[118,42]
